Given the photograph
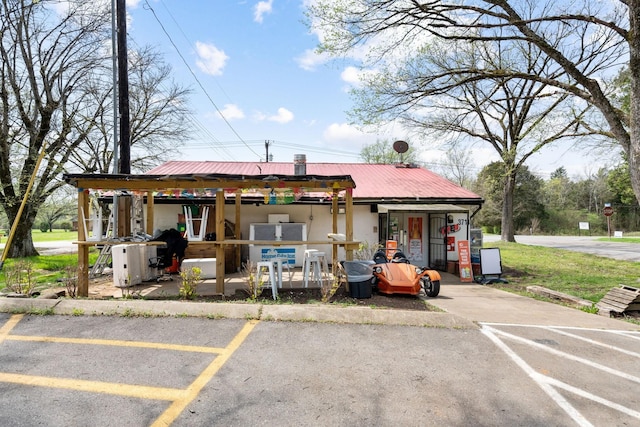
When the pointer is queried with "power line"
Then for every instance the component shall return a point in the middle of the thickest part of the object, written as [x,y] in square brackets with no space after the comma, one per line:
[148,6]
[208,138]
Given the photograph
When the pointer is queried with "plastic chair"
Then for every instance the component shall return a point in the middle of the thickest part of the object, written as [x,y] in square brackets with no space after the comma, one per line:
[283,263]
[315,264]
[272,276]
[190,224]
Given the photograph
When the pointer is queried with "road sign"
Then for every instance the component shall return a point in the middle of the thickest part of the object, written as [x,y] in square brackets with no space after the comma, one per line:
[607,211]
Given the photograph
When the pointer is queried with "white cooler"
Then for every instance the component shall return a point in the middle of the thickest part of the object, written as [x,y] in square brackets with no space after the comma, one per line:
[207,266]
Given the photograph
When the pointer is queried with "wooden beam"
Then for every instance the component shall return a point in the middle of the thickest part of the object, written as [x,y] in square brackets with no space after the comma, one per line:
[83,250]
[150,214]
[237,231]
[348,218]
[334,225]
[140,184]
[220,236]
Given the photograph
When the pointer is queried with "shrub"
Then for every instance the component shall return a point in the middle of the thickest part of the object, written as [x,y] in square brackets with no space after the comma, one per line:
[70,280]
[20,277]
[190,280]
[253,282]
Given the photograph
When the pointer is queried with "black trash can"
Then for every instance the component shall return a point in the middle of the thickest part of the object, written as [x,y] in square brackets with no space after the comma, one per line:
[359,276]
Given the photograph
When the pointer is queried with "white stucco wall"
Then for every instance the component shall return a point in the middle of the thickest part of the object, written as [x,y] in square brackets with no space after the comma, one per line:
[318,219]
[462,233]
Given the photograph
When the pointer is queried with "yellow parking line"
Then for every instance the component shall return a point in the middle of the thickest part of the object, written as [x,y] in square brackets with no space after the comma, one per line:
[179,398]
[143,392]
[178,406]
[7,327]
[117,343]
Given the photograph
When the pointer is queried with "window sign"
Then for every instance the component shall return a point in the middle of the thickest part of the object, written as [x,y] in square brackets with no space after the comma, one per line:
[415,239]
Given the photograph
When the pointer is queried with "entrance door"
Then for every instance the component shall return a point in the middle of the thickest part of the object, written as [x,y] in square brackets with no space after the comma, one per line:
[409,230]
[437,244]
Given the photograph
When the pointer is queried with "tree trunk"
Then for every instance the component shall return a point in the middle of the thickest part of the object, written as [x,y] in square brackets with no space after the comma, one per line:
[22,243]
[507,233]
[633,151]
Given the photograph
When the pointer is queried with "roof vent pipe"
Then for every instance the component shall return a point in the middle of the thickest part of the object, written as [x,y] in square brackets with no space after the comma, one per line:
[299,164]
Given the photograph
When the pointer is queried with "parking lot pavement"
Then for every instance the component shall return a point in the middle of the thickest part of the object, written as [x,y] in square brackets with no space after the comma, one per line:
[186,371]
[591,374]
[108,370]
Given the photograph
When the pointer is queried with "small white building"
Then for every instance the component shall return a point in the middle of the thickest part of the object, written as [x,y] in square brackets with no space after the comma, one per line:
[420,212]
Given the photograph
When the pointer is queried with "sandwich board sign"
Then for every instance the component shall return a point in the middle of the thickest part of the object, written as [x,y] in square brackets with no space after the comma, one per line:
[464,258]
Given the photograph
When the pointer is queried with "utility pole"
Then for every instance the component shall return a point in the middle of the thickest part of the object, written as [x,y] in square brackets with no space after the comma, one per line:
[123,89]
[266,147]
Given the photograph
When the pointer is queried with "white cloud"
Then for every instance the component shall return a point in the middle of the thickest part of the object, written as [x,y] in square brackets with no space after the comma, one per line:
[351,75]
[258,116]
[310,59]
[283,116]
[341,133]
[232,112]
[355,76]
[211,59]
[262,8]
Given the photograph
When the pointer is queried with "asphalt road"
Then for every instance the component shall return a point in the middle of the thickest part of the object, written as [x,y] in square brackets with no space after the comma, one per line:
[586,244]
[132,371]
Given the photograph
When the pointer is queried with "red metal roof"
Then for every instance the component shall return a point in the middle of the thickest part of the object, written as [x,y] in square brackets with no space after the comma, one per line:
[373,181]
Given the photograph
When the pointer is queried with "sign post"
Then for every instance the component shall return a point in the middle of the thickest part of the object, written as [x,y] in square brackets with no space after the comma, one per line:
[583,226]
[608,211]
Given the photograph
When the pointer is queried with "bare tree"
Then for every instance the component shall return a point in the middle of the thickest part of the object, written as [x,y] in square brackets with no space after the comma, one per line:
[47,59]
[158,110]
[55,100]
[495,91]
[458,166]
[588,40]
[59,206]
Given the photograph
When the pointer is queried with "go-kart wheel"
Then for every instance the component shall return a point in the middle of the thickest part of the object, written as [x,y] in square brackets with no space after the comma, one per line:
[431,288]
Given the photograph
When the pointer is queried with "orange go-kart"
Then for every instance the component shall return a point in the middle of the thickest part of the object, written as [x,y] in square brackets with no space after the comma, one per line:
[399,276]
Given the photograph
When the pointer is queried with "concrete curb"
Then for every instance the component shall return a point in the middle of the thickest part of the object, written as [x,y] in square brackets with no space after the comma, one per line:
[292,313]
[363,315]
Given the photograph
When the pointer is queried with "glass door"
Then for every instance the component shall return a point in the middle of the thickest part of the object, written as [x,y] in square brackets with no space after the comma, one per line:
[408,231]
[437,241]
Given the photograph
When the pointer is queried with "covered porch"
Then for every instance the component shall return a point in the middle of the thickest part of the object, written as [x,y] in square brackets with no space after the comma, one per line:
[228,189]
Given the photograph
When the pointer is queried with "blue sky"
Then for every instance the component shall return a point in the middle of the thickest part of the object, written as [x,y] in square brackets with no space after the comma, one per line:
[256,63]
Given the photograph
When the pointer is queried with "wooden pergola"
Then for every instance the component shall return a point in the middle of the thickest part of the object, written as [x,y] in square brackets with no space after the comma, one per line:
[220,183]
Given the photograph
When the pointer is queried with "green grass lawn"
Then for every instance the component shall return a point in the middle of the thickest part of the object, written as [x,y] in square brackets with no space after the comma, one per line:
[574,273]
[619,239]
[53,236]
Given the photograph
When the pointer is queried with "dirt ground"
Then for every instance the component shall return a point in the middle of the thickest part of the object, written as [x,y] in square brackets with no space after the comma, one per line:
[103,289]
[341,297]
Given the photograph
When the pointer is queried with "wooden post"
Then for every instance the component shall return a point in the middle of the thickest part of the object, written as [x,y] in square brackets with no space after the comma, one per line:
[124,217]
[348,218]
[220,237]
[334,226]
[150,206]
[83,250]
[237,231]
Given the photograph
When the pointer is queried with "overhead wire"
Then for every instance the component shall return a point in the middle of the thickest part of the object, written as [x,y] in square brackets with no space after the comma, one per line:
[206,133]
[195,77]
